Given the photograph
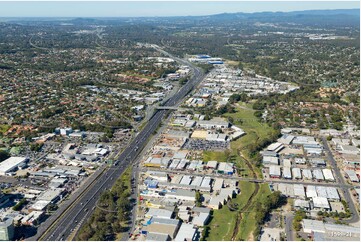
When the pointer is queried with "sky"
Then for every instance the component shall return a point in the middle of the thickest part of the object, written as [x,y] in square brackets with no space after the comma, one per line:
[153,8]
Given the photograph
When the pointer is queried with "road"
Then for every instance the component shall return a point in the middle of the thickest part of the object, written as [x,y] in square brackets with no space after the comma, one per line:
[325,184]
[339,179]
[64,224]
[289,226]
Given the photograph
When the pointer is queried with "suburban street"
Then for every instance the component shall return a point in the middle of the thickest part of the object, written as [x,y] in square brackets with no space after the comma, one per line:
[289,227]
[62,225]
[346,192]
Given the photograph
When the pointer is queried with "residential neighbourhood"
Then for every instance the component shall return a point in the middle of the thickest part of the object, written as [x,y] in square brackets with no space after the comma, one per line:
[234,126]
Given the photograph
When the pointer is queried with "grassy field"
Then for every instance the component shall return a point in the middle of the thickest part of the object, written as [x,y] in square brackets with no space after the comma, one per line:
[223,221]
[214,155]
[4,128]
[254,129]
[248,223]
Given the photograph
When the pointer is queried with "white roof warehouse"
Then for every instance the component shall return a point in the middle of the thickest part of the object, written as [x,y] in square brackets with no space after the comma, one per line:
[11,164]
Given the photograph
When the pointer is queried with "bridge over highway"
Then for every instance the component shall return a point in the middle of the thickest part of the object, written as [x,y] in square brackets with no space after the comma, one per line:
[61,225]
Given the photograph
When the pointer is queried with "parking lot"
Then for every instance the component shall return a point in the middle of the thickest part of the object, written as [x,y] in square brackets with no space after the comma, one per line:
[197,144]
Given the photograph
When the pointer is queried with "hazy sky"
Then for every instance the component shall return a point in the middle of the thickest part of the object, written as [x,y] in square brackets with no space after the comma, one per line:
[161,8]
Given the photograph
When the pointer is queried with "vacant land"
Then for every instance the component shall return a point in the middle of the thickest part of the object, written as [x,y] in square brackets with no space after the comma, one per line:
[248,223]
[223,221]
[245,119]
[215,155]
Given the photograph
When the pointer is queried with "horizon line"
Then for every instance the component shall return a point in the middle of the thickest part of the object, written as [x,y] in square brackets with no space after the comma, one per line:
[155,16]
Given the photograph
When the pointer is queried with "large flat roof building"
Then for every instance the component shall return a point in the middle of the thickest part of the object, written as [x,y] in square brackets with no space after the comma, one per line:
[11,164]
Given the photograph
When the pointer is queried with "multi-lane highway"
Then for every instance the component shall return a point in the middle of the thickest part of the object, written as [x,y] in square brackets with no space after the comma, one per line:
[81,209]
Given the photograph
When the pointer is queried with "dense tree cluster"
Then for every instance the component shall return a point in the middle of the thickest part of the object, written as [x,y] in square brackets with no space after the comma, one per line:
[112,213]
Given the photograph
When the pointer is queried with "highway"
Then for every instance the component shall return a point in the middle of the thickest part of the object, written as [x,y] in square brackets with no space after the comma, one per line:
[80,210]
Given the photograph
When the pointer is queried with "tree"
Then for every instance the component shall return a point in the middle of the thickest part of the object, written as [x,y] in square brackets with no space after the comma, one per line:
[4,155]
[198,199]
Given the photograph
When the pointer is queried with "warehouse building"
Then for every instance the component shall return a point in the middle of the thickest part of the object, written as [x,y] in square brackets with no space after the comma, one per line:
[197,181]
[270,160]
[311,191]
[320,203]
[275,147]
[318,175]
[296,172]
[159,213]
[301,204]
[287,173]
[225,168]
[316,162]
[352,175]
[186,233]
[307,174]
[327,173]
[215,123]
[186,180]
[275,171]
[11,164]
[287,163]
[299,190]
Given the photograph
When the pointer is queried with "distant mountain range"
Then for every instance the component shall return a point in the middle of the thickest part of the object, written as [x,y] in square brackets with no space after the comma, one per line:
[314,17]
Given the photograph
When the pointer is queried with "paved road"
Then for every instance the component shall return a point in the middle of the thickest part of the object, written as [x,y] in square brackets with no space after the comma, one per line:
[289,226]
[64,224]
[325,184]
[339,179]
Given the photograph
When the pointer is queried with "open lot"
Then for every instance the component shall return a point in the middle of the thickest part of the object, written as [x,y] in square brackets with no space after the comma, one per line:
[224,220]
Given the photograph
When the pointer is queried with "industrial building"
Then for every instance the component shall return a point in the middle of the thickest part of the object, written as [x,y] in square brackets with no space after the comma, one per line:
[287,173]
[296,172]
[275,171]
[11,164]
[225,168]
[186,233]
[327,173]
[6,229]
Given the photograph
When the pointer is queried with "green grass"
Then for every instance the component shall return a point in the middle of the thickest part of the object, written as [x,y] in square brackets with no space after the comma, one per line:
[4,128]
[254,129]
[248,223]
[224,220]
[214,155]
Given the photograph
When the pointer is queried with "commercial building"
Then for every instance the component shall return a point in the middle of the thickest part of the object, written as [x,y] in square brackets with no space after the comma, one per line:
[274,171]
[181,195]
[348,149]
[327,173]
[276,147]
[153,236]
[11,164]
[316,162]
[330,232]
[320,203]
[225,168]
[301,204]
[186,233]
[310,226]
[159,213]
[32,218]
[299,190]
[215,123]
[318,175]
[307,174]
[296,172]
[352,175]
[6,229]
[287,173]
